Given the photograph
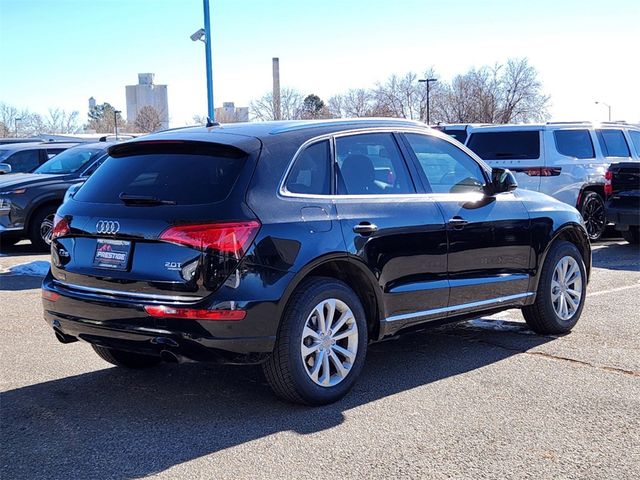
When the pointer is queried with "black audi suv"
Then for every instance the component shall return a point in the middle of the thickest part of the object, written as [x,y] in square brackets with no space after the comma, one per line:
[296,244]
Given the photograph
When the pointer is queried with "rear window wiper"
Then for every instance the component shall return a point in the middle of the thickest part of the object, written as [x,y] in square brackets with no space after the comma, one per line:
[128,199]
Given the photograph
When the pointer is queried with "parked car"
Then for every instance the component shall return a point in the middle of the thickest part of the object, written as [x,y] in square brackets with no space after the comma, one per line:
[623,199]
[26,157]
[12,140]
[565,160]
[28,201]
[295,244]
[459,131]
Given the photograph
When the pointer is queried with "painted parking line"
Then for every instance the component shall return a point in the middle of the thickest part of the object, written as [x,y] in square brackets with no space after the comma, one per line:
[612,290]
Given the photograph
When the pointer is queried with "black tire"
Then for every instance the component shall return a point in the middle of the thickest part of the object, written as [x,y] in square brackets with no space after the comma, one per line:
[632,235]
[121,358]
[35,225]
[592,211]
[541,316]
[285,370]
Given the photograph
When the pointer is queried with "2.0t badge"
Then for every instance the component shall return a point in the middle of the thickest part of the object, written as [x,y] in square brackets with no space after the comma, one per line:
[107,227]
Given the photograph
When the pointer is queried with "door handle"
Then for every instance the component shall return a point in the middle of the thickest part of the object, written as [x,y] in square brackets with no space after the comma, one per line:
[365,228]
[457,222]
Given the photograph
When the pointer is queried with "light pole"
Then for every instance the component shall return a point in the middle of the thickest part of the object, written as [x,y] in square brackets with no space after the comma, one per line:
[15,126]
[608,107]
[115,120]
[428,81]
[204,34]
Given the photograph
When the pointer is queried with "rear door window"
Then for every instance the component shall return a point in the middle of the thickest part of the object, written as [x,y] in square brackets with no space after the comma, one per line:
[520,145]
[371,164]
[574,143]
[613,143]
[186,176]
[311,172]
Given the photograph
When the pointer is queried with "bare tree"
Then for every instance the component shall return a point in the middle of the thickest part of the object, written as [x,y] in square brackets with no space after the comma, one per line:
[290,103]
[148,120]
[21,123]
[59,121]
[357,102]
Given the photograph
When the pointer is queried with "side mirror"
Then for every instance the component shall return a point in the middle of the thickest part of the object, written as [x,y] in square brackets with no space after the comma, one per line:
[502,180]
[5,168]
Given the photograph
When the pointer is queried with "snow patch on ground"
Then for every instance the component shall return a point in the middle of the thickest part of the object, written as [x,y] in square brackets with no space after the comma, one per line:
[38,268]
[499,325]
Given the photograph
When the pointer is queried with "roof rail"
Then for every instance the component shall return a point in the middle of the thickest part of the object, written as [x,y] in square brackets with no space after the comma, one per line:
[570,122]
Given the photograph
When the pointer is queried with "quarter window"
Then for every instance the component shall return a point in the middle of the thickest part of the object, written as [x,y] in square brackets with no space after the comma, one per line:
[310,173]
[635,138]
[371,164]
[447,168]
[520,145]
[612,143]
[574,143]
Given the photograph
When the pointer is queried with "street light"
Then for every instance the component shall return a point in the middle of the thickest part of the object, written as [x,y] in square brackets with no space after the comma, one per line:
[428,81]
[115,120]
[608,107]
[204,34]
[15,125]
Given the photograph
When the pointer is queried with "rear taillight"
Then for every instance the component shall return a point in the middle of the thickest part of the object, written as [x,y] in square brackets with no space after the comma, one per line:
[229,237]
[60,227]
[163,311]
[49,295]
[608,184]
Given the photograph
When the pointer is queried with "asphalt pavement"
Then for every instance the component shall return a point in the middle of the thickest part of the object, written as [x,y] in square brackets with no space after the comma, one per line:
[484,399]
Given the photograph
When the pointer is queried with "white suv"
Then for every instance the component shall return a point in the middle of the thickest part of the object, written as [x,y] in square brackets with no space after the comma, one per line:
[565,160]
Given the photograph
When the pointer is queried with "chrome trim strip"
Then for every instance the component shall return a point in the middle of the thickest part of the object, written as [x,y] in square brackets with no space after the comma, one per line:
[481,303]
[505,277]
[119,293]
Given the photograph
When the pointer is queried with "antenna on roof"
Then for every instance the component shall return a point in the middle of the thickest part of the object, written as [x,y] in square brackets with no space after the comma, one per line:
[211,123]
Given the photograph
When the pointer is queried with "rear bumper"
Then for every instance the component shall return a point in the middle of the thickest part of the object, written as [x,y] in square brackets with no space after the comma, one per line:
[622,216]
[126,326]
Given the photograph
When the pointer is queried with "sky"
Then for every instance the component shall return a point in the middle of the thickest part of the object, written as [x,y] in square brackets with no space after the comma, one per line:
[58,53]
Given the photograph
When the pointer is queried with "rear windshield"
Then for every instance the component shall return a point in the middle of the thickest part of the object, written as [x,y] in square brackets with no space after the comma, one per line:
[188,177]
[506,145]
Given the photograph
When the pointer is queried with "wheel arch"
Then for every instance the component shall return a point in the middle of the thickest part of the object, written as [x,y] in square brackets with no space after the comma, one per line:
[591,187]
[352,272]
[39,206]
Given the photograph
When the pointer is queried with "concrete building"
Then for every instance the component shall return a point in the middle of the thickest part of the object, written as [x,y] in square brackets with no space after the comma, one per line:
[147,93]
[229,113]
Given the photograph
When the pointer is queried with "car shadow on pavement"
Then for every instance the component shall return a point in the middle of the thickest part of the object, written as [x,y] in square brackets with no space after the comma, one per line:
[617,256]
[11,282]
[19,249]
[117,423]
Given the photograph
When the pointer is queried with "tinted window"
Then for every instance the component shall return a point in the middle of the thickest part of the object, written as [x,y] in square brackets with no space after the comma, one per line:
[635,138]
[184,178]
[69,161]
[24,161]
[93,168]
[612,143]
[506,145]
[574,143]
[447,168]
[371,164]
[311,171]
[459,135]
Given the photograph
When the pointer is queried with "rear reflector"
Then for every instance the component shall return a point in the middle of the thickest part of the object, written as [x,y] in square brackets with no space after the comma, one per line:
[229,237]
[163,311]
[49,295]
[60,227]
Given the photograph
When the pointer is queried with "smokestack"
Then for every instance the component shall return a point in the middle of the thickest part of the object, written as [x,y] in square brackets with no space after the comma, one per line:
[277,111]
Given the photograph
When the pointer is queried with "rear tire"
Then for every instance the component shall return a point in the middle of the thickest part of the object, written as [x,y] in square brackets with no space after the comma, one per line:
[555,289]
[632,235]
[316,362]
[121,358]
[592,211]
[41,226]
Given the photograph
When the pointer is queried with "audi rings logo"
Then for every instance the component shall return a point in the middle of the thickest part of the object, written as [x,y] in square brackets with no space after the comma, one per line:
[107,227]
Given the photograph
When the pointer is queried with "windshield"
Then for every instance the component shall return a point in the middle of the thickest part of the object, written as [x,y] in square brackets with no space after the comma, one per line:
[69,161]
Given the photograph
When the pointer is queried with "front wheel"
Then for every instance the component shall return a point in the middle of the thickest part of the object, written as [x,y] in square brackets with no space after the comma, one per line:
[321,344]
[592,211]
[562,289]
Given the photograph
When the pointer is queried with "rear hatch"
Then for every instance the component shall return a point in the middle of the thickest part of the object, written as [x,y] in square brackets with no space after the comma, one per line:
[159,221]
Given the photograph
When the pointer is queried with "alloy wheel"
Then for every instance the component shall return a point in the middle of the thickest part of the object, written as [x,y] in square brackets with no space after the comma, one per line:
[46,228]
[566,288]
[329,343]
[594,216]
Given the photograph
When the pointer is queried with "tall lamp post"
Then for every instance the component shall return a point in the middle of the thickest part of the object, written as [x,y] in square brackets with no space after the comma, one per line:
[204,34]
[608,107]
[15,125]
[115,120]
[428,81]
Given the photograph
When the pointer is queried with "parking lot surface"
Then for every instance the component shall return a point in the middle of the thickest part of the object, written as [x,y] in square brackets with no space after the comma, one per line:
[484,399]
